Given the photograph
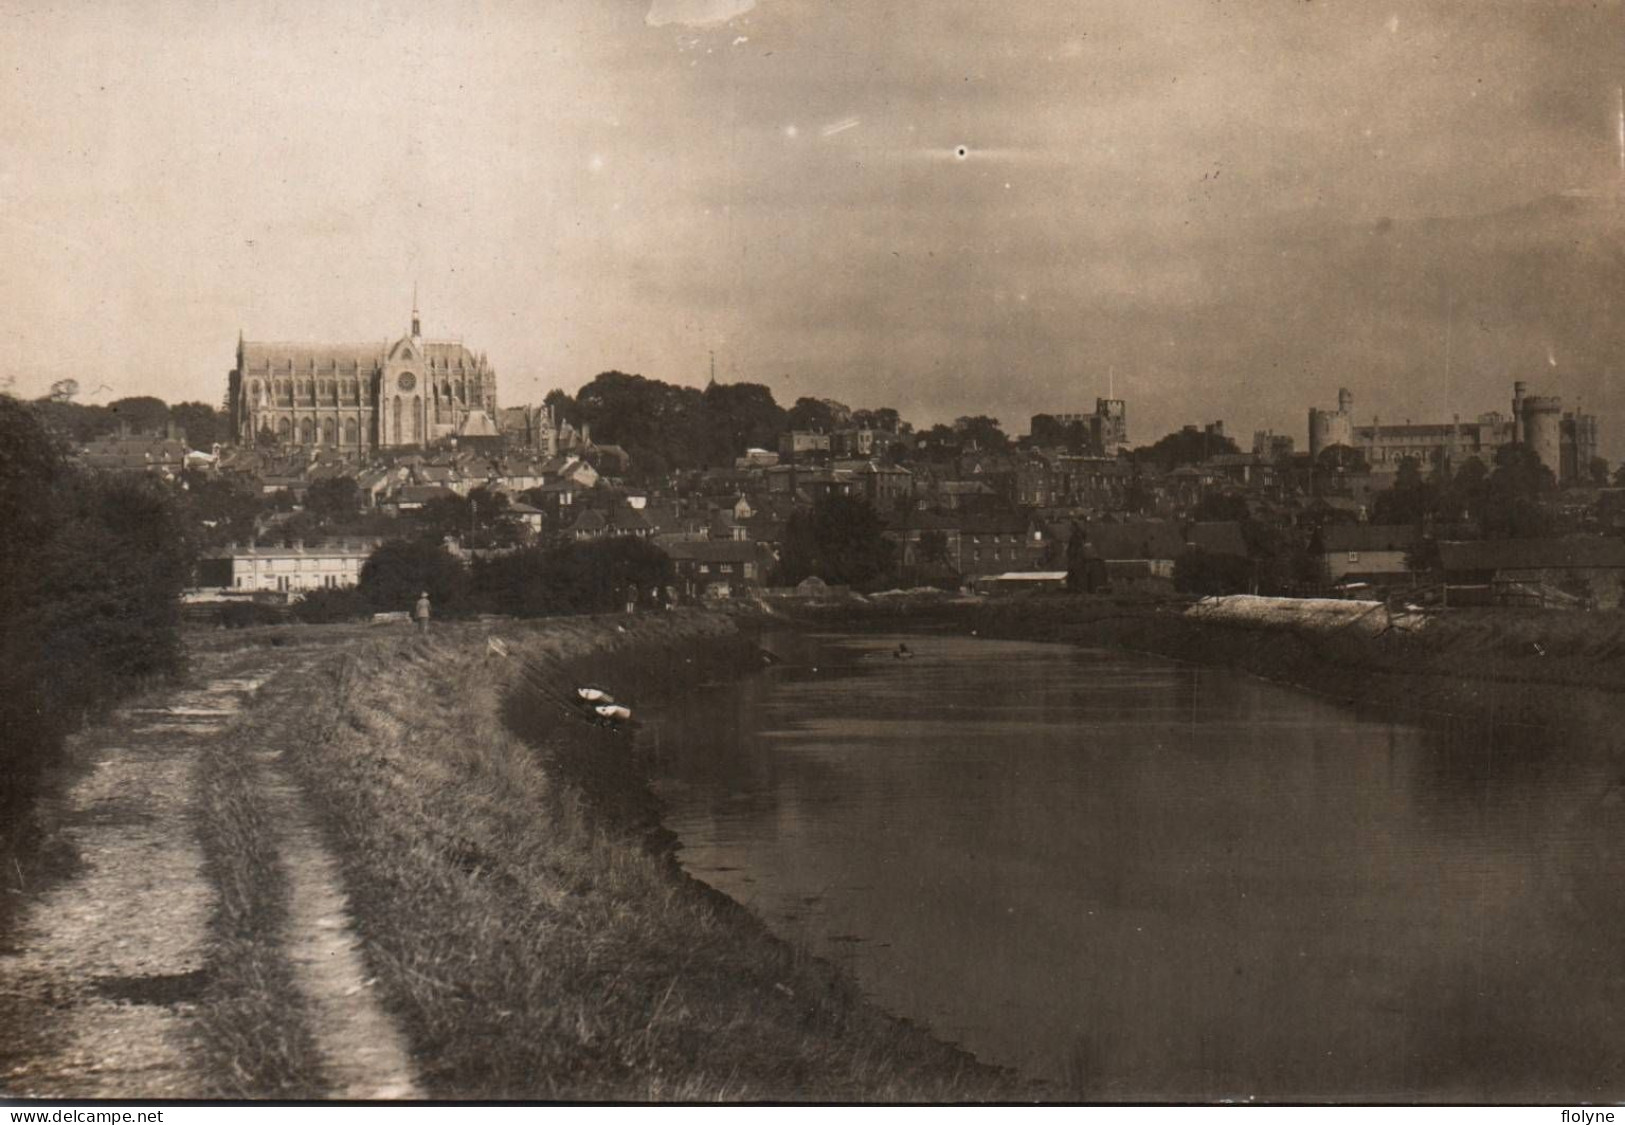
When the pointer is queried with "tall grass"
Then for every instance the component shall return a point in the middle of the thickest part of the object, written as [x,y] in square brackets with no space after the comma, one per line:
[252,1026]
[525,925]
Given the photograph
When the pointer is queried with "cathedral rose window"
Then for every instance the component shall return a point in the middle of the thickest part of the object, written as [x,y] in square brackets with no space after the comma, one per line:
[406,381]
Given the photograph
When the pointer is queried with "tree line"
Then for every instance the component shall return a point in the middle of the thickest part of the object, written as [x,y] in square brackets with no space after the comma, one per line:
[203,425]
[94,567]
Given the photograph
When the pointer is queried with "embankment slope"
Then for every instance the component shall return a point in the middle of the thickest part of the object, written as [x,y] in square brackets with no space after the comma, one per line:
[528,928]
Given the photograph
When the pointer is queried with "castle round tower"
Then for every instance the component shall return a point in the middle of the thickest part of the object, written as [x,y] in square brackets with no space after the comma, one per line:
[1543,429]
[1328,427]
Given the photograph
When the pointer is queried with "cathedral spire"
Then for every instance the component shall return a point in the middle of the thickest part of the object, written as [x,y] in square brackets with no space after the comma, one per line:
[417,327]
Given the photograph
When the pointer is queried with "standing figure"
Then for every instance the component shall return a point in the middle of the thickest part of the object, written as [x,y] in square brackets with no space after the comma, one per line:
[420,612]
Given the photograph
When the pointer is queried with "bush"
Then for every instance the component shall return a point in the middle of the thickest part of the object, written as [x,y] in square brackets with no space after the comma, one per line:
[1198,572]
[245,615]
[327,607]
[398,571]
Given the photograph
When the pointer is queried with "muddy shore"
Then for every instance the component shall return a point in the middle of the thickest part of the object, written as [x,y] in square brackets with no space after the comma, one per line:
[1531,668]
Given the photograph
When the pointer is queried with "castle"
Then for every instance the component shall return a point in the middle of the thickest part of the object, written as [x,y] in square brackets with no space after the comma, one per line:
[360,397]
[1566,443]
[1106,428]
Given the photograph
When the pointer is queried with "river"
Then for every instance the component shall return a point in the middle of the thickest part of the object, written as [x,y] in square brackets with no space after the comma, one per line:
[1142,880]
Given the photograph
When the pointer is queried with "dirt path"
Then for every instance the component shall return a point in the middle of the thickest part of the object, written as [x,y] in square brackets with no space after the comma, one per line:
[363,1054]
[100,982]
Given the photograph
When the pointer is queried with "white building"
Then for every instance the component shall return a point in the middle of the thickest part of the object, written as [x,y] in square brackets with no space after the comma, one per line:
[289,569]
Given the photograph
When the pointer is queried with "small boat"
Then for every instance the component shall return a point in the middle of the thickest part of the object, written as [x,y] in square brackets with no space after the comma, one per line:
[593,696]
[613,714]
[903,653]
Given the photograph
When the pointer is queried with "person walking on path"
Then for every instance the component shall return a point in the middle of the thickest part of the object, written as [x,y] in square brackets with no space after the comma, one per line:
[420,612]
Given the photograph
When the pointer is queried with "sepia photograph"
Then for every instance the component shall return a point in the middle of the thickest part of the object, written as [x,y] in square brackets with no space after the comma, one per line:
[903,553]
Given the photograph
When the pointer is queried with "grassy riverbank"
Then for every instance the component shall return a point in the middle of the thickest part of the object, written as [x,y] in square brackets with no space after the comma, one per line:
[526,924]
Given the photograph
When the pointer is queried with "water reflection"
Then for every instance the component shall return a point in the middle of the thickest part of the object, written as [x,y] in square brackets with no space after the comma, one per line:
[1161,881]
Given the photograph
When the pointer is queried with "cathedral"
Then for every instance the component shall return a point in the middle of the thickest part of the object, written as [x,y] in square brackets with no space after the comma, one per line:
[360,397]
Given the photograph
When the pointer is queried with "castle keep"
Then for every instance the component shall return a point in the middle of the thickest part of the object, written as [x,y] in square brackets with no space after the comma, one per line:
[358,397]
[1564,442]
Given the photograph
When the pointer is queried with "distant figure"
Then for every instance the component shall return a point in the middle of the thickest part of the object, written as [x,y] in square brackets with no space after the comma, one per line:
[631,598]
[420,612]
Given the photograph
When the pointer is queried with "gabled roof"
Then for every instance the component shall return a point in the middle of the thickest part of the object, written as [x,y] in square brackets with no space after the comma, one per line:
[277,357]
[611,519]
[590,519]
[994,523]
[712,550]
[477,424]
[629,519]
[1370,537]
[422,493]
[1144,539]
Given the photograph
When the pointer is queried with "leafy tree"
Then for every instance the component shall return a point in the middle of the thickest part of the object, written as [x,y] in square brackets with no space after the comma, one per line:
[571,577]
[1049,430]
[659,425]
[812,414]
[938,443]
[982,432]
[1137,496]
[1085,571]
[839,540]
[564,407]
[1597,470]
[202,423]
[885,419]
[1410,499]
[482,519]
[219,511]
[75,421]
[1284,562]
[333,498]
[1219,507]
[1185,447]
[1513,495]
[740,416]
[89,608]
[398,571]
[1464,494]
[142,413]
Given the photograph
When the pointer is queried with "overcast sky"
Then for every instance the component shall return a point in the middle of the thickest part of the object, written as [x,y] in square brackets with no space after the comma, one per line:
[576,187]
